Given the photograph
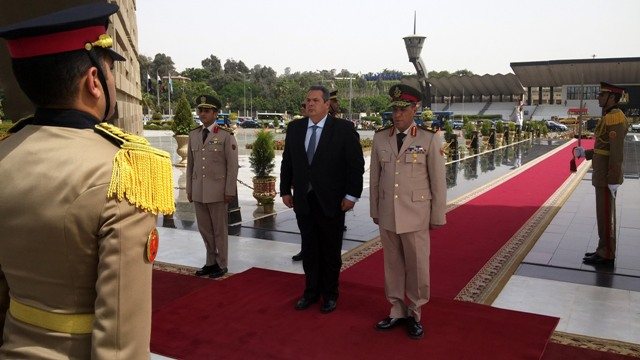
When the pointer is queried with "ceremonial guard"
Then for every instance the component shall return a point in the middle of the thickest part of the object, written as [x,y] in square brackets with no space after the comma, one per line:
[408,196]
[212,175]
[607,158]
[78,201]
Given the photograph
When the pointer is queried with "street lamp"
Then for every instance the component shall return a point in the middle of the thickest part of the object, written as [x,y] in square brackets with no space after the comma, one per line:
[350,91]
[414,43]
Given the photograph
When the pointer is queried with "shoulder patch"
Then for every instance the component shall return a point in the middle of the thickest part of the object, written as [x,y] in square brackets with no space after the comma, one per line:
[423,127]
[141,173]
[389,126]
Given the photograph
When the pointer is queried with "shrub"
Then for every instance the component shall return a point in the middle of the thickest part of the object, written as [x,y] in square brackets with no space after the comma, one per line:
[262,154]
[183,119]
[156,116]
[499,127]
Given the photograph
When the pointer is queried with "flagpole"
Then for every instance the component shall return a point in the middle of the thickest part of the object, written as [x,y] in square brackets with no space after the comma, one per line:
[158,90]
[169,93]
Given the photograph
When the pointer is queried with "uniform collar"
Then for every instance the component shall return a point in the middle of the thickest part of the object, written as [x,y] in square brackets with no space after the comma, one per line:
[68,118]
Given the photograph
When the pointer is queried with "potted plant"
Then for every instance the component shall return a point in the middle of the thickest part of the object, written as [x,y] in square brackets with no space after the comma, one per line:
[499,132]
[182,124]
[262,163]
[427,117]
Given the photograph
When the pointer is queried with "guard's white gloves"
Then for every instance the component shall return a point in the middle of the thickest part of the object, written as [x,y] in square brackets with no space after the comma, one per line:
[578,151]
[613,188]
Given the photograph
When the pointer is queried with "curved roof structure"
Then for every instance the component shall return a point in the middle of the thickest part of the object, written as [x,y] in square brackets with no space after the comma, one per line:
[619,71]
[498,84]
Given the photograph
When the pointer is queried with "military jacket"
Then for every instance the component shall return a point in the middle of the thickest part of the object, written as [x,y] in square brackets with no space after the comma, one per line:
[212,165]
[67,248]
[608,151]
[408,188]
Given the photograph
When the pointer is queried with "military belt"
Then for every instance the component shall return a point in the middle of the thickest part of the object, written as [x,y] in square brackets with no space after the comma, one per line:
[64,323]
[601,152]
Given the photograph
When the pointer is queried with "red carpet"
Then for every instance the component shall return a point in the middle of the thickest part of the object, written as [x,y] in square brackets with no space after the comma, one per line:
[250,316]
[478,229]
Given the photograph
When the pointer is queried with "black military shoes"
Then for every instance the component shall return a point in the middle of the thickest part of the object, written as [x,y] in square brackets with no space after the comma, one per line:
[389,323]
[304,303]
[206,270]
[297,257]
[596,259]
[218,272]
[414,328]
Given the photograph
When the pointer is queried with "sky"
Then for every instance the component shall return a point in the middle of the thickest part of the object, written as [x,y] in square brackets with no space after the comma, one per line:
[367,35]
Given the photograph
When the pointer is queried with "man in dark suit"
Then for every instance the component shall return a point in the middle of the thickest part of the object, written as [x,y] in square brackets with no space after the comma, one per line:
[322,161]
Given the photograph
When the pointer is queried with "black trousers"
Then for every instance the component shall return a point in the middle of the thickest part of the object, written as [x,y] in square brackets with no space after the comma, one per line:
[321,250]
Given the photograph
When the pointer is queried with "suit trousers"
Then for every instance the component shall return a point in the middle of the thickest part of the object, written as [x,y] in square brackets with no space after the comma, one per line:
[406,271]
[212,223]
[606,231]
[321,250]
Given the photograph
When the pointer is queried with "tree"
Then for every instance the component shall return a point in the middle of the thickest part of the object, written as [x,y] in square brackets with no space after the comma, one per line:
[262,154]
[197,74]
[183,119]
[212,63]
[163,65]
[463,72]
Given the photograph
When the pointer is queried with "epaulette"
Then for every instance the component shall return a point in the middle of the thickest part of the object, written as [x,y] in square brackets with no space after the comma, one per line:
[615,117]
[17,126]
[226,128]
[424,127]
[196,128]
[388,126]
[141,173]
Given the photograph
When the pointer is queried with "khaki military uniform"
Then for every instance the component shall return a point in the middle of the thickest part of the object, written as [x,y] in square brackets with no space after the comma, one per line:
[212,173]
[75,276]
[407,194]
[607,157]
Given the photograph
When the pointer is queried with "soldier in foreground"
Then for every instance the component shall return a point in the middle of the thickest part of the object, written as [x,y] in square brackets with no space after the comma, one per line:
[78,202]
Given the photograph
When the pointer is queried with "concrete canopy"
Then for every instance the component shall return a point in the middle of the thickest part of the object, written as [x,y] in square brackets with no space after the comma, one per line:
[476,85]
[619,71]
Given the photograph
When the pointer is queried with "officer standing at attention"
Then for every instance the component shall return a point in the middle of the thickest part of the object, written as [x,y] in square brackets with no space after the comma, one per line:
[607,158]
[78,201]
[212,174]
[408,193]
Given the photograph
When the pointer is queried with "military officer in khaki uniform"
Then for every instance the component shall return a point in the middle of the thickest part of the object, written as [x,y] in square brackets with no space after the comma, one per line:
[607,157]
[408,196]
[78,201]
[212,174]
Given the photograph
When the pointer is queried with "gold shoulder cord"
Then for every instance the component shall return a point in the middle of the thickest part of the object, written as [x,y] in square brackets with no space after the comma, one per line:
[141,173]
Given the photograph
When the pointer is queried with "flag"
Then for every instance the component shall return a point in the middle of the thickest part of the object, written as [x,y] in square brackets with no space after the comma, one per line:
[148,82]
[170,84]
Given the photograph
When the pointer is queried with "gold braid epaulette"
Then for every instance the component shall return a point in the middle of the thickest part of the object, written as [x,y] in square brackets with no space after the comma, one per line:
[615,117]
[385,128]
[226,128]
[424,127]
[141,173]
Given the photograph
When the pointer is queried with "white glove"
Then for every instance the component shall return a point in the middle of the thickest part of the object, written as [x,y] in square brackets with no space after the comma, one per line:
[613,188]
[578,152]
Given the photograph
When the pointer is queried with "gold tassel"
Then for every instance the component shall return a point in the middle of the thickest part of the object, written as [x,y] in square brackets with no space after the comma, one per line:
[615,117]
[142,174]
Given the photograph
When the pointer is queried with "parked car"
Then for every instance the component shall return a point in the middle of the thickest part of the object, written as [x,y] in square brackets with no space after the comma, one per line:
[635,127]
[457,124]
[556,126]
[250,124]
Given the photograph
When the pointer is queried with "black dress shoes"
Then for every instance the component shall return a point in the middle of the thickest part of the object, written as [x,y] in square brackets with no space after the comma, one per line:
[218,272]
[414,328]
[596,259]
[589,254]
[389,323]
[207,269]
[304,303]
[297,257]
[328,306]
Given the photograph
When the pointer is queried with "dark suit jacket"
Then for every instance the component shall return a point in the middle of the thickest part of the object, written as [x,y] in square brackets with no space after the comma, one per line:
[336,169]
